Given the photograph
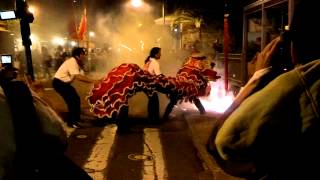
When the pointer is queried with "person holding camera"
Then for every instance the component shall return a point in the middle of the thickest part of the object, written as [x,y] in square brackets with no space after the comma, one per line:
[272,129]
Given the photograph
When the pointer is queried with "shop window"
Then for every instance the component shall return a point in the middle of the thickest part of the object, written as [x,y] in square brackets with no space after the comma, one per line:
[276,21]
[254,34]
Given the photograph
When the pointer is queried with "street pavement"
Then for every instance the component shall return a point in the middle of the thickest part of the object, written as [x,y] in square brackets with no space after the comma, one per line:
[199,125]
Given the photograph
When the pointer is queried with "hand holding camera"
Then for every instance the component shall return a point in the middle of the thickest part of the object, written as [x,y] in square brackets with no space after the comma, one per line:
[7,71]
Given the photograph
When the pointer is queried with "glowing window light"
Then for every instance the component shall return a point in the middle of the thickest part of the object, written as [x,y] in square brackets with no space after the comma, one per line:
[73,43]
[58,41]
[91,34]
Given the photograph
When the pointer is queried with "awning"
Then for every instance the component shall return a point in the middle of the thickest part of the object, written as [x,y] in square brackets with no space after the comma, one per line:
[168,20]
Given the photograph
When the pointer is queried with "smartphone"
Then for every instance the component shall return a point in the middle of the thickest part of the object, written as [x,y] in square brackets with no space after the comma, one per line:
[6,61]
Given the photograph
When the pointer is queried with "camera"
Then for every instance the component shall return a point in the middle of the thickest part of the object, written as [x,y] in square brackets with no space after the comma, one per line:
[7,71]
[6,61]
[7,15]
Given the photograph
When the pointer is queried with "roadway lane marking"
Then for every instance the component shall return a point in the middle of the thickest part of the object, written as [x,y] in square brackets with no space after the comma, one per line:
[154,168]
[98,159]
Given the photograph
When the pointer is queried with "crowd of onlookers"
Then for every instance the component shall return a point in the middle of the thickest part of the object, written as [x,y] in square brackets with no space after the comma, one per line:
[45,61]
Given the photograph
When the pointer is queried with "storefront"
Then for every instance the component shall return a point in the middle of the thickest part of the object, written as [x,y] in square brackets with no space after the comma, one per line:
[263,20]
[6,39]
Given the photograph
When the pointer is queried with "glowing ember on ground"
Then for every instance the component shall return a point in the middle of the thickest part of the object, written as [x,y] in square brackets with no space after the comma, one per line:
[218,101]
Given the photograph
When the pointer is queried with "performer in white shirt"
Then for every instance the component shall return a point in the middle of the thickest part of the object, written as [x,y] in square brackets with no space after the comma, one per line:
[152,65]
[69,70]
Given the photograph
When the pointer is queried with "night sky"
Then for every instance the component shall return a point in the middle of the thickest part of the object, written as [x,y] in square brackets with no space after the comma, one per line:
[210,10]
[55,14]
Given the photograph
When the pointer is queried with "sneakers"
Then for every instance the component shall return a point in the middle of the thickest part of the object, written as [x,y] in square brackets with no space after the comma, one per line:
[77,125]
[74,125]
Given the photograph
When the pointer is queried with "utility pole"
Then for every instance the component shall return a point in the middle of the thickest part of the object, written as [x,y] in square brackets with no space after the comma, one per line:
[226,38]
[163,13]
[86,4]
[26,17]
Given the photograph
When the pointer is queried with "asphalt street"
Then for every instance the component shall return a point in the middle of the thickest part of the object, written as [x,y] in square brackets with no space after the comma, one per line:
[173,149]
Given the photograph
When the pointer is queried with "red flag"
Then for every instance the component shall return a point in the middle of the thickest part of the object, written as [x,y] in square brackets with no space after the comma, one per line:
[83,26]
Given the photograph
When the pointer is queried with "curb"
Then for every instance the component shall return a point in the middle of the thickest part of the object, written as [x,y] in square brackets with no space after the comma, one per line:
[199,138]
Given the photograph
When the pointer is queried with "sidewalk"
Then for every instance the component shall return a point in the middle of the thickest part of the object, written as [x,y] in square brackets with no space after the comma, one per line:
[200,127]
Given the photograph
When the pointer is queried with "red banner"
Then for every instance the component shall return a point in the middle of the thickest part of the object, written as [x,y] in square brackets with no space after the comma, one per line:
[83,26]
[226,38]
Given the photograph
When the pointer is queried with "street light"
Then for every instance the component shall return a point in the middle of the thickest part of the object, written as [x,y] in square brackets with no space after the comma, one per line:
[136,3]
[163,13]
[58,41]
[32,9]
[139,5]
[73,43]
[91,34]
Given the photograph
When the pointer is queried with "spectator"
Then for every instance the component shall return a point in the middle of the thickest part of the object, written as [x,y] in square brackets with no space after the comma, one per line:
[273,132]
[46,60]
[59,57]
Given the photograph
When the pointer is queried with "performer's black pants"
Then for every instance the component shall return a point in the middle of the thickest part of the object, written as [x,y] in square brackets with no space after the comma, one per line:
[169,108]
[123,119]
[174,101]
[153,108]
[71,97]
[199,105]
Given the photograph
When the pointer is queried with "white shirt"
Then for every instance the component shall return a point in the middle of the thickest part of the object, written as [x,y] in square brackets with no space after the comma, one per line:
[154,67]
[68,70]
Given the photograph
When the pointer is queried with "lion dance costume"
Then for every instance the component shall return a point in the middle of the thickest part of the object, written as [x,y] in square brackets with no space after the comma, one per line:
[108,96]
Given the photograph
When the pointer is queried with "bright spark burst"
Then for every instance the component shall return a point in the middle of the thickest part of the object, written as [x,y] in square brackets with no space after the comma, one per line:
[124,46]
[218,101]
